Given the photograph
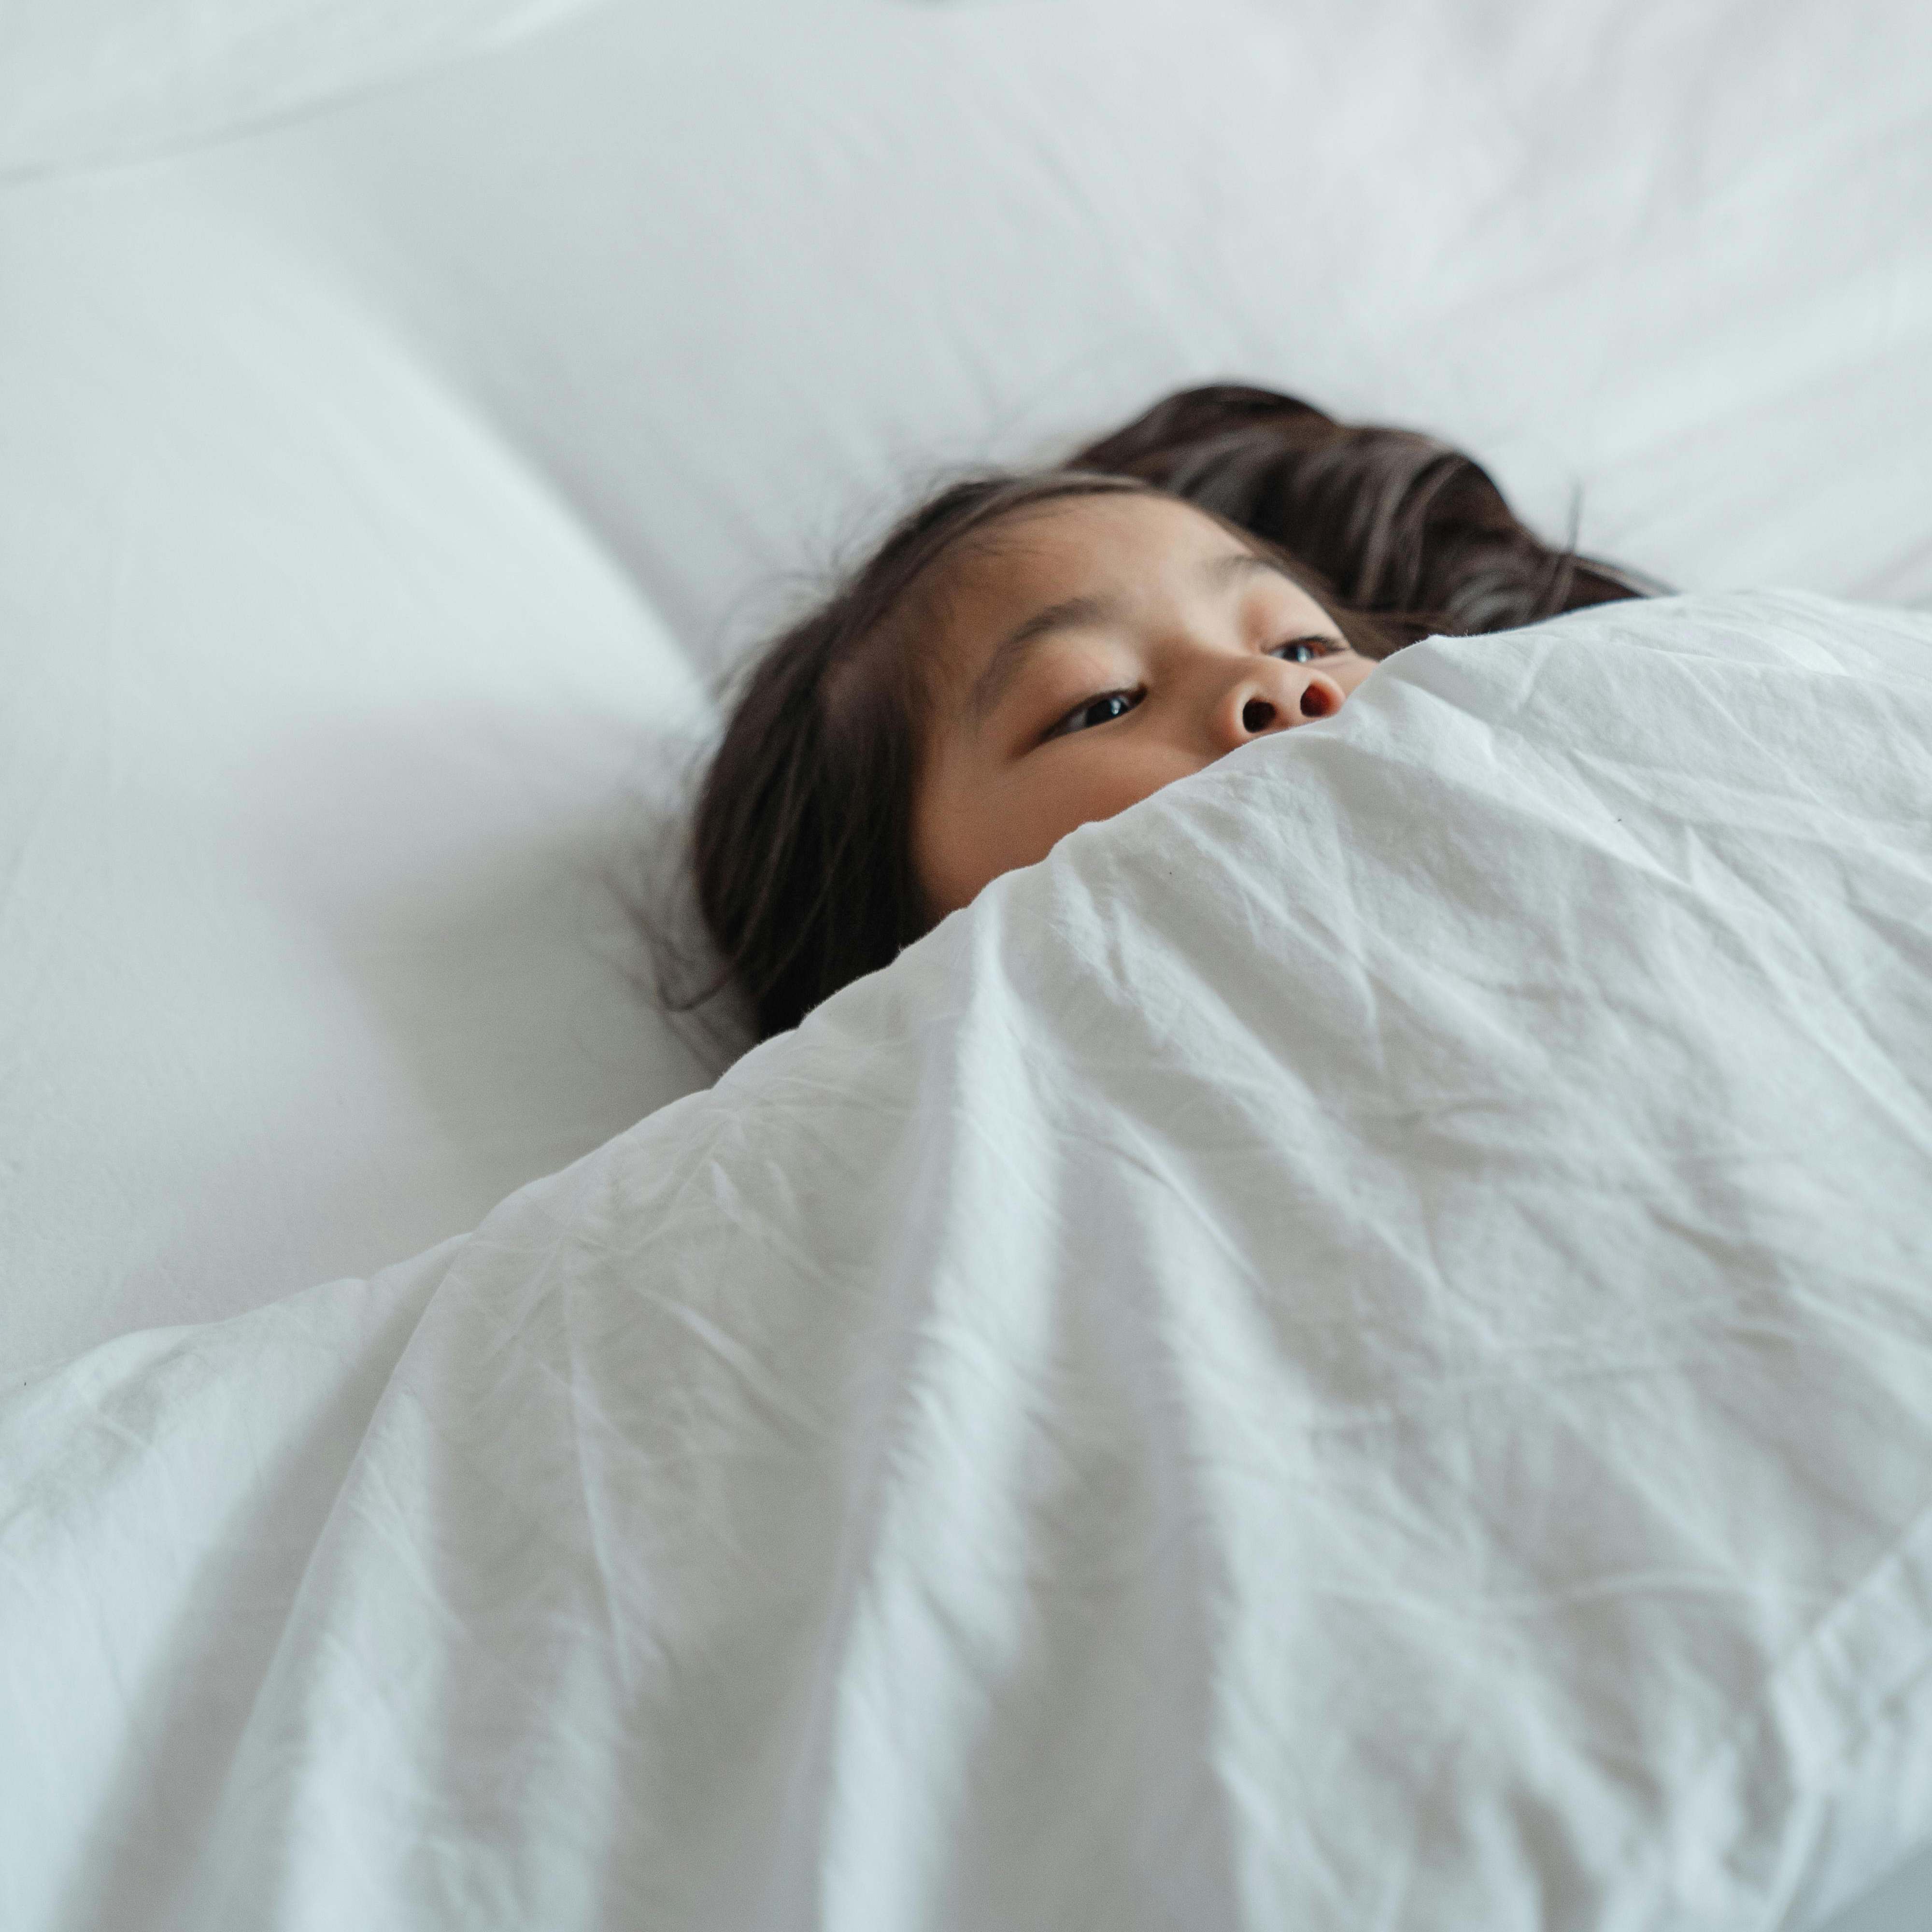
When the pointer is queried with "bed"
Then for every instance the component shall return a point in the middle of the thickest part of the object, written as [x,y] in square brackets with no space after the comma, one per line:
[392,470]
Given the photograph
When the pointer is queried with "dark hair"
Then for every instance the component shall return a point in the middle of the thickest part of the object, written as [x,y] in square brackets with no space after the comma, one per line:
[803,836]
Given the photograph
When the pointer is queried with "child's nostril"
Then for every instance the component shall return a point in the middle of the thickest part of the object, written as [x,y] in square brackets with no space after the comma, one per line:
[1314,701]
[1257,715]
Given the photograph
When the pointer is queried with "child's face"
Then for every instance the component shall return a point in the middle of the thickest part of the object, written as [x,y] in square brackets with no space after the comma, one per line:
[1104,648]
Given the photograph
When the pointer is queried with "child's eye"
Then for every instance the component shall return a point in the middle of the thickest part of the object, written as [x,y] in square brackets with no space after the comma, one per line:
[1306,650]
[1102,710]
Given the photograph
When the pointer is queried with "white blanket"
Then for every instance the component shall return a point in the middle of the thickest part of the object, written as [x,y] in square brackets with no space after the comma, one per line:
[1353,1350]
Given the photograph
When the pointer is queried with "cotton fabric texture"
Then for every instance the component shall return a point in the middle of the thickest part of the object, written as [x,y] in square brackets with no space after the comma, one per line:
[1353,1349]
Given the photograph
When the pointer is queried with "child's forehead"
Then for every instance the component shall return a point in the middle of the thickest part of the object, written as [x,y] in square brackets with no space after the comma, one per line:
[1113,549]
[1132,522]
[1076,545]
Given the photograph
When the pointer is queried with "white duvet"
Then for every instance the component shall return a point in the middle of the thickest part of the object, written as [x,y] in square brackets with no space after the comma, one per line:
[1354,1350]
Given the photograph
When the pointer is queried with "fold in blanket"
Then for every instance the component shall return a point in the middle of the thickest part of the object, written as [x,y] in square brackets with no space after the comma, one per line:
[1355,1349]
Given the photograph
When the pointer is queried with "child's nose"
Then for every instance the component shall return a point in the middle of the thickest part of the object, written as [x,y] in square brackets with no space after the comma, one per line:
[1274,700]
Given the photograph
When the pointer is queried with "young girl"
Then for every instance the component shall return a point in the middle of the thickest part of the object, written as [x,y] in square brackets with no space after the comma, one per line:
[1026,652]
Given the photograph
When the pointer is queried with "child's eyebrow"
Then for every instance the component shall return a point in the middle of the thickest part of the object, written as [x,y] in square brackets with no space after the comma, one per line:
[1071,614]
[1089,612]
[1236,564]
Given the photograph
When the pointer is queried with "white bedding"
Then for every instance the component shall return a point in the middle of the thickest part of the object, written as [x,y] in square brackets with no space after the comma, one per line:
[377,491]
[330,745]
[83,82]
[1354,1349]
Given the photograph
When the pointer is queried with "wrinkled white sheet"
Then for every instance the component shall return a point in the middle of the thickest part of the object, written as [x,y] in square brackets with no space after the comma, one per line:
[1354,1349]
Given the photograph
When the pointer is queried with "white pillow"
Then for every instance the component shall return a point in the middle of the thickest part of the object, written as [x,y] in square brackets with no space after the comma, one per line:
[85,81]
[742,276]
[331,749]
